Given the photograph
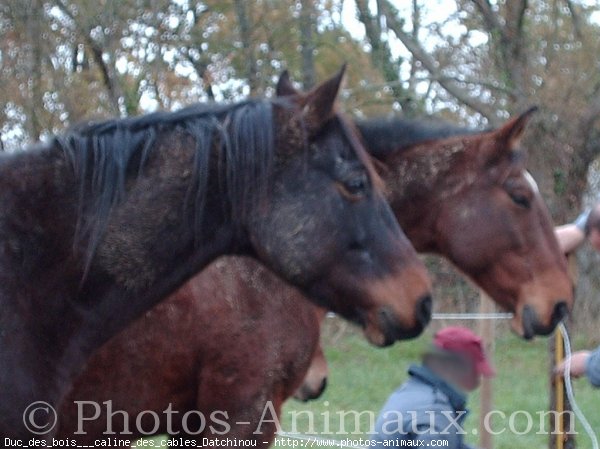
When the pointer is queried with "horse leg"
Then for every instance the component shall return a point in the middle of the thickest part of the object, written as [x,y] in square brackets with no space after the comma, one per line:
[242,413]
[257,428]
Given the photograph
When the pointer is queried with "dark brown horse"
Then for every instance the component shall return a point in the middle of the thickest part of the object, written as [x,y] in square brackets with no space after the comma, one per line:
[470,198]
[464,169]
[103,222]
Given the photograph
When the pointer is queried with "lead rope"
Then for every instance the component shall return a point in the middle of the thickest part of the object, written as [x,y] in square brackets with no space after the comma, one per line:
[569,387]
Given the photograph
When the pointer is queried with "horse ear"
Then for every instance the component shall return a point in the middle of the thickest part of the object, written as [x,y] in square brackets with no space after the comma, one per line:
[512,132]
[318,104]
[284,85]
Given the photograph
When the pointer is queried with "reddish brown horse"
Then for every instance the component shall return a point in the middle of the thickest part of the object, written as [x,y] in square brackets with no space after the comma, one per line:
[235,339]
[470,199]
[448,188]
[315,379]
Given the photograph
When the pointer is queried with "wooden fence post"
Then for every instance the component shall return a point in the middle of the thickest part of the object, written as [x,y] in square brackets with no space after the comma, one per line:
[558,400]
[558,395]
[487,330]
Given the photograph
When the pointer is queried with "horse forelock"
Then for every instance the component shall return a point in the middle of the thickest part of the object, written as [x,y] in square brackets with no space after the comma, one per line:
[356,143]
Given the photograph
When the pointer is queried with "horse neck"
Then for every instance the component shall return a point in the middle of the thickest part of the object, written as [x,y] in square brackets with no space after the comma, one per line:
[141,261]
[37,270]
[418,179]
[55,317]
[146,251]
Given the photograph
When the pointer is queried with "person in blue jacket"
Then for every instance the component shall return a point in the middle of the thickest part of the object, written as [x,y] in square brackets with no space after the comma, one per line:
[429,409]
[570,237]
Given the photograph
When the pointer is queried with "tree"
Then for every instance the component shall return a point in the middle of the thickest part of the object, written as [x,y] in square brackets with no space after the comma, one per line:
[307,42]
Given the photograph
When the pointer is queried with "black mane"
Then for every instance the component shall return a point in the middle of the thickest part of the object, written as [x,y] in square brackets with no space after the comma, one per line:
[384,135]
[105,154]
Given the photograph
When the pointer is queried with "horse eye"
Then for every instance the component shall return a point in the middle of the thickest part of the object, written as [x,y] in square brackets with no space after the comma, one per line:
[520,200]
[357,184]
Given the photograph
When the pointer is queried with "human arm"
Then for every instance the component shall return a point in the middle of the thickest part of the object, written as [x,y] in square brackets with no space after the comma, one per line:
[572,235]
[577,364]
[583,363]
[592,367]
[569,237]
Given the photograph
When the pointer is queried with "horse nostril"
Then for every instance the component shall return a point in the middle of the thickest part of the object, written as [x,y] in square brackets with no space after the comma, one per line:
[424,308]
[561,310]
[323,386]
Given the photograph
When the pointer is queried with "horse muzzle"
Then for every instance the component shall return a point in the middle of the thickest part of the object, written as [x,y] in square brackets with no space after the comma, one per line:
[532,326]
[386,327]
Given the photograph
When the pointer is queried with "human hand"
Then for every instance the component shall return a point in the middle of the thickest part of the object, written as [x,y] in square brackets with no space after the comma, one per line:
[578,363]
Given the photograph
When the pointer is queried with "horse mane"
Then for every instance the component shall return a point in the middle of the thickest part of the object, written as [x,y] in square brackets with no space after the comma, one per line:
[105,154]
[387,135]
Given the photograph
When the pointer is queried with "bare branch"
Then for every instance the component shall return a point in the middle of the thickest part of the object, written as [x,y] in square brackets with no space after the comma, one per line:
[371,29]
[576,19]
[591,116]
[515,17]
[246,39]
[518,15]
[97,53]
[439,79]
[428,62]
[35,71]
[307,21]
[416,26]
[381,56]
[107,79]
[491,85]
[201,69]
[489,16]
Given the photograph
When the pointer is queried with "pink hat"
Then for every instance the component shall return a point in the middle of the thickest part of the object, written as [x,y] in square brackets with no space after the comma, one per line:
[465,342]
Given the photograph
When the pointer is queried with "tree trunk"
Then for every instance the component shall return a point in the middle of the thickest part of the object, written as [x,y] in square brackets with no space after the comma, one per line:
[201,63]
[429,64]
[381,55]
[35,103]
[307,24]
[201,69]
[109,77]
[246,38]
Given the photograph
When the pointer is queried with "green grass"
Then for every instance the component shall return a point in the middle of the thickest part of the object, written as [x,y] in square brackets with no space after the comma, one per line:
[361,378]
